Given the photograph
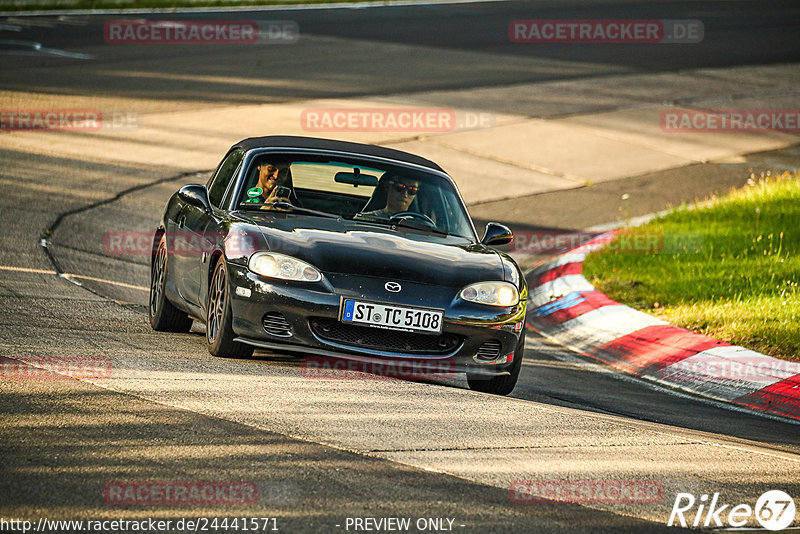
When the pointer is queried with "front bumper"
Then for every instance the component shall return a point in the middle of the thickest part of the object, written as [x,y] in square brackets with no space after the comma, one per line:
[304,318]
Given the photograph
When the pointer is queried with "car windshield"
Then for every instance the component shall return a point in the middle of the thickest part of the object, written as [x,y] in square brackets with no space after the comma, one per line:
[355,190]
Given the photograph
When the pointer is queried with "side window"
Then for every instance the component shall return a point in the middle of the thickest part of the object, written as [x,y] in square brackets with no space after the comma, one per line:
[219,183]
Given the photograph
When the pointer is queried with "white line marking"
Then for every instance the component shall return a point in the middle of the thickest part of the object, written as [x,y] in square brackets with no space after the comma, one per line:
[26,270]
[72,277]
[32,48]
[69,276]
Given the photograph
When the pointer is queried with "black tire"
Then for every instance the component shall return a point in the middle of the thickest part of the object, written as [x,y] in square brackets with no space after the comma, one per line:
[219,333]
[500,385]
[164,316]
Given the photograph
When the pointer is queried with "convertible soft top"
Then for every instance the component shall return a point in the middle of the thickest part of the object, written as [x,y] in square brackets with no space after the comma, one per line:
[292,141]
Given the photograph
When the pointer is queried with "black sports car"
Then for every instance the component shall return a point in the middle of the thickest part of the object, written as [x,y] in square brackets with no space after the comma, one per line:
[343,250]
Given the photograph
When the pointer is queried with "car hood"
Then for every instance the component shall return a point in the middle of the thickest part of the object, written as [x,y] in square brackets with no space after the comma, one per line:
[363,249]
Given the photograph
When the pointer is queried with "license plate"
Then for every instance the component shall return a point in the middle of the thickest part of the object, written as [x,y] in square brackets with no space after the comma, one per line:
[393,317]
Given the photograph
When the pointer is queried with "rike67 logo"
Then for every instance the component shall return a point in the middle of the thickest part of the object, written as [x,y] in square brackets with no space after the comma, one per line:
[774,510]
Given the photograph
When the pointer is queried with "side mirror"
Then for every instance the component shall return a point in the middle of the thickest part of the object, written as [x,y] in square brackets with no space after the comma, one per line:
[497,234]
[196,195]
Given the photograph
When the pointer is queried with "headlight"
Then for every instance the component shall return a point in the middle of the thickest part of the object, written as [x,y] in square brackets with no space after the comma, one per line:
[491,293]
[284,267]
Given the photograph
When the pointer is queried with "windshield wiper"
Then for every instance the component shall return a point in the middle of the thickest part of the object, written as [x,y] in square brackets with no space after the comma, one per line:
[399,221]
[408,223]
[291,207]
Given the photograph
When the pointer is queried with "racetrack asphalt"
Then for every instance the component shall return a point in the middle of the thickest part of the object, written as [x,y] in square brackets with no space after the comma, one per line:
[324,450]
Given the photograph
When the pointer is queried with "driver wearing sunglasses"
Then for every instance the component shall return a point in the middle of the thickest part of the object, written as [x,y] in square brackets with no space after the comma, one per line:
[400,194]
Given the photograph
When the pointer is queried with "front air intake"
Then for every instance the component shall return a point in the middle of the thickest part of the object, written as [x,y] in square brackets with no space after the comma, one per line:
[387,340]
[276,324]
[489,351]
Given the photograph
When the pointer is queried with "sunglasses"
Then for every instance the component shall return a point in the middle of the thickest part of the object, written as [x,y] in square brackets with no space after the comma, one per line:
[411,190]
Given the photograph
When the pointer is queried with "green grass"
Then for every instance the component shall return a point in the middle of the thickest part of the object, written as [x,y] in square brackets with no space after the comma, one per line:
[728,269]
[37,5]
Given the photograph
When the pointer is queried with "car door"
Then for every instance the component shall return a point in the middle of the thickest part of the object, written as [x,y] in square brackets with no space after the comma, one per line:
[200,230]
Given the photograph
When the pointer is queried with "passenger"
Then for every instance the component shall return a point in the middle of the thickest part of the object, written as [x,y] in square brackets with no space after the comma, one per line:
[274,180]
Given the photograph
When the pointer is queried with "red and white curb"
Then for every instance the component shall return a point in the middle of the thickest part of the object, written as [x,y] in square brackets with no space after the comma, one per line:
[565,307]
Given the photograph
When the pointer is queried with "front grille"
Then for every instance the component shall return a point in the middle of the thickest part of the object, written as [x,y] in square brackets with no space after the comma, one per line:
[381,339]
[276,324]
[490,350]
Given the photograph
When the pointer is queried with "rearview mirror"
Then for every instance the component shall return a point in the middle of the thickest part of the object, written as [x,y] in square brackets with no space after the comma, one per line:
[355,179]
[196,195]
[497,234]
